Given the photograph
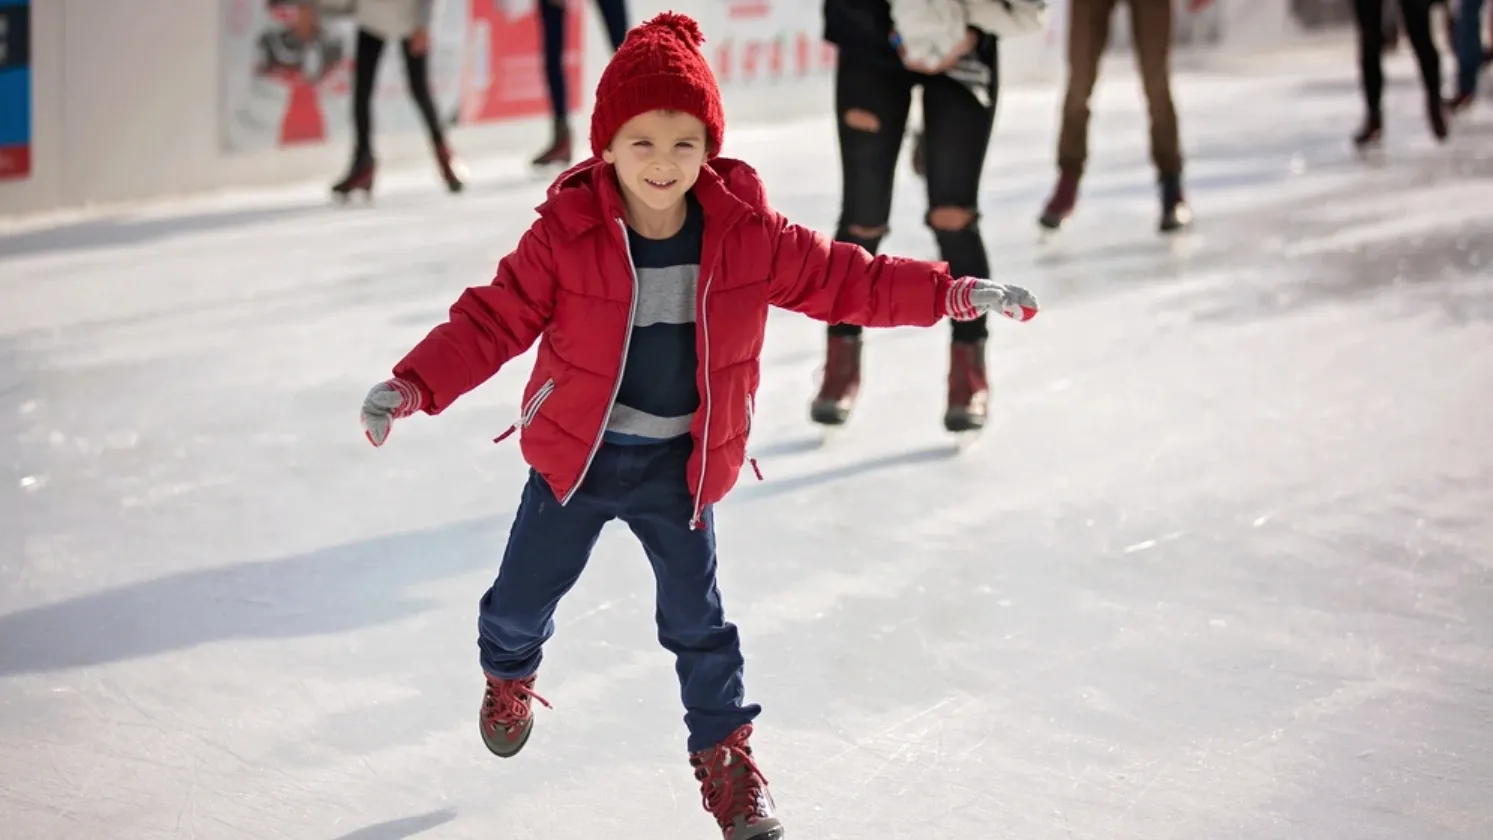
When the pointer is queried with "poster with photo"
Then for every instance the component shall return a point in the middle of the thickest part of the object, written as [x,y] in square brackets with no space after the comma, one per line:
[15,89]
[281,90]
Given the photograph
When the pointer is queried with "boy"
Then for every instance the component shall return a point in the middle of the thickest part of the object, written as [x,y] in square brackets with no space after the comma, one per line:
[646,280]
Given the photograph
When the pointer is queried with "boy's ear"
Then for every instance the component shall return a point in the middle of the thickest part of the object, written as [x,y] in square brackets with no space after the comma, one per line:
[606,155]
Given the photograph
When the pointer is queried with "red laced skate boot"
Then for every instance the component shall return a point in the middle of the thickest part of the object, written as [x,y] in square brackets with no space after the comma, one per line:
[359,178]
[1060,206]
[969,392]
[507,719]
[451,169]
[842,381]
[559,152]
[734,791]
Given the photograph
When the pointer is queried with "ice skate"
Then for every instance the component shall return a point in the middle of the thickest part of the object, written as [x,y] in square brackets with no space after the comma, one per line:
[359,178]
[507,718]
[969,391]
[1061,205]
[559,152]
[452,172]
[1175,214]
[1370,136]
[841,383]
[734,791]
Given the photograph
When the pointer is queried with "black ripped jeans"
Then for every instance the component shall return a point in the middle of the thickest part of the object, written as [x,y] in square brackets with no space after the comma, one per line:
[365,72]
[956,134]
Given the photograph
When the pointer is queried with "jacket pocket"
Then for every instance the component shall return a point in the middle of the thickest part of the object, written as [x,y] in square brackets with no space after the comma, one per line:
[751,409]
[529,411]
[531,408]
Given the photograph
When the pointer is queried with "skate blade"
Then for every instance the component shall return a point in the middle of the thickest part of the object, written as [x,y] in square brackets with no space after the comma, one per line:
[351,197]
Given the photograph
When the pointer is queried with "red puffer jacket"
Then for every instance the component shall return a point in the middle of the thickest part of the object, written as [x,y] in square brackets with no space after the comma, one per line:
[570,281]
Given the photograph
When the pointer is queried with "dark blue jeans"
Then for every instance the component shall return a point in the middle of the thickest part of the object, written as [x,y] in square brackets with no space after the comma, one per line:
[644,486]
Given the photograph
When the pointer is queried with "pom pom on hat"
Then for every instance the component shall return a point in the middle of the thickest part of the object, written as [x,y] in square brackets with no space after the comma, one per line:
[658,67]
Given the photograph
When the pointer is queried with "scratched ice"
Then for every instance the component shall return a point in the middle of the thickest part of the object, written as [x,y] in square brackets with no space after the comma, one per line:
[1220,569]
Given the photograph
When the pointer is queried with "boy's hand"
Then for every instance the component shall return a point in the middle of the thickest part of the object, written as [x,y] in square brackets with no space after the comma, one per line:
[386,402]
[971,297]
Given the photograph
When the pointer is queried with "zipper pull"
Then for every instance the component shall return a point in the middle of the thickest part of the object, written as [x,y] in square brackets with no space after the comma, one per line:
[755,469]
[506,433]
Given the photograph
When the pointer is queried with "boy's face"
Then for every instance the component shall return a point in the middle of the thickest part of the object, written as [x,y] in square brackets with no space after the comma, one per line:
[658,155]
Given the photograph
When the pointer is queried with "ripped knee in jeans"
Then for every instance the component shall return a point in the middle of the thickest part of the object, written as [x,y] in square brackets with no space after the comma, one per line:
[862,120]
[952,218]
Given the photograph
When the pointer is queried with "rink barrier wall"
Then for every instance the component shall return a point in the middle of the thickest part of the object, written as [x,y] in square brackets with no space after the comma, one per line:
[127,100]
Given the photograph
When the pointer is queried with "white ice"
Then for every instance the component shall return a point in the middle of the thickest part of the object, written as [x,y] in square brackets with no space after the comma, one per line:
[1219,569]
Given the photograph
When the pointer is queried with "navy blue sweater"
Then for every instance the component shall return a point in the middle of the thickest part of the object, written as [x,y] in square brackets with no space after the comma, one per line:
[658,397]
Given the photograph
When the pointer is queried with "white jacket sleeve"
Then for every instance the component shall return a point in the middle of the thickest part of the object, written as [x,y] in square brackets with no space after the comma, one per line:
[1007,18]
[930,29]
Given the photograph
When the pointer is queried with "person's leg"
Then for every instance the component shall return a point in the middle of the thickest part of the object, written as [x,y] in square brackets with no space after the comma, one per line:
[552,43]
[1151,23]
[871,101]
[1368,16]
[1417,16]
[368,51]
[614,16]
[1088,33]
[417,77]
[1469,43]
[692,626]
[548,547]
[957,129]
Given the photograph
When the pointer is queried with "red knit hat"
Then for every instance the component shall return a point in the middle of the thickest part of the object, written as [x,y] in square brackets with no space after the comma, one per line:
[658,67]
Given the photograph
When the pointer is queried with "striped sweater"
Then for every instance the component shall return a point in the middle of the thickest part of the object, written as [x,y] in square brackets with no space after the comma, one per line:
[658,396]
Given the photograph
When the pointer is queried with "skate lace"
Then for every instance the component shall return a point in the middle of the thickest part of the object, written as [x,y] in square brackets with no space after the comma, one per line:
[730,781]
[505,704]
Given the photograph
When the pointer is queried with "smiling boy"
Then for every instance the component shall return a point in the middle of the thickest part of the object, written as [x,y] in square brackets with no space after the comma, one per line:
[647,280]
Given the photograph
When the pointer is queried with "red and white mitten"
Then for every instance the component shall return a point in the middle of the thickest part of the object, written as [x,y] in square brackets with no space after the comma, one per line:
[388,401]
[971,297]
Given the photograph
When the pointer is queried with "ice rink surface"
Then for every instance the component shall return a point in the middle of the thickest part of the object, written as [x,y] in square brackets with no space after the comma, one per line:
[1220,568]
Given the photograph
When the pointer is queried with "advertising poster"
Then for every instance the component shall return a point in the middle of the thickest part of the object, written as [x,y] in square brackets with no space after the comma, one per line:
[281,90]
[755,43]
[15,89]
[503,77]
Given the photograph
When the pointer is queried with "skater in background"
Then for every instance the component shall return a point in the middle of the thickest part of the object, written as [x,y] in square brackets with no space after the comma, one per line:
[660,441]
[1088,35]
[380,21]
[887,49]
[1415,15]
[552,14]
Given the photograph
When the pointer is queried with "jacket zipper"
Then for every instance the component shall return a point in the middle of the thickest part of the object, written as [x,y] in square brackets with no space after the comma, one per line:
[694,522]
[632,312]
[529,411]
[751,414]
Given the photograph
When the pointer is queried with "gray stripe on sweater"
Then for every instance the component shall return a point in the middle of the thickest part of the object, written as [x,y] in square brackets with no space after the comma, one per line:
[630,421]
[666,295]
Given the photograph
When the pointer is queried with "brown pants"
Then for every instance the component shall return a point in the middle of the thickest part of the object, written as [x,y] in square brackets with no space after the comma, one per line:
[1088,32]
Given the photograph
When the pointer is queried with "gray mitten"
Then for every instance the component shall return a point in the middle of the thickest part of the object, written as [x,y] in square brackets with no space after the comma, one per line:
[388,400]
[971,297]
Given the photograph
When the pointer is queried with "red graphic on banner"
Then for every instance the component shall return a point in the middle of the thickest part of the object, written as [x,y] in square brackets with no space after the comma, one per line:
[503,76]
[15,161]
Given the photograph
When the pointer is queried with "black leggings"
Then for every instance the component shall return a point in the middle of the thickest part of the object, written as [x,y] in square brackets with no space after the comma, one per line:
[956,134]
[552,35]
[416,72]
[1369,16]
